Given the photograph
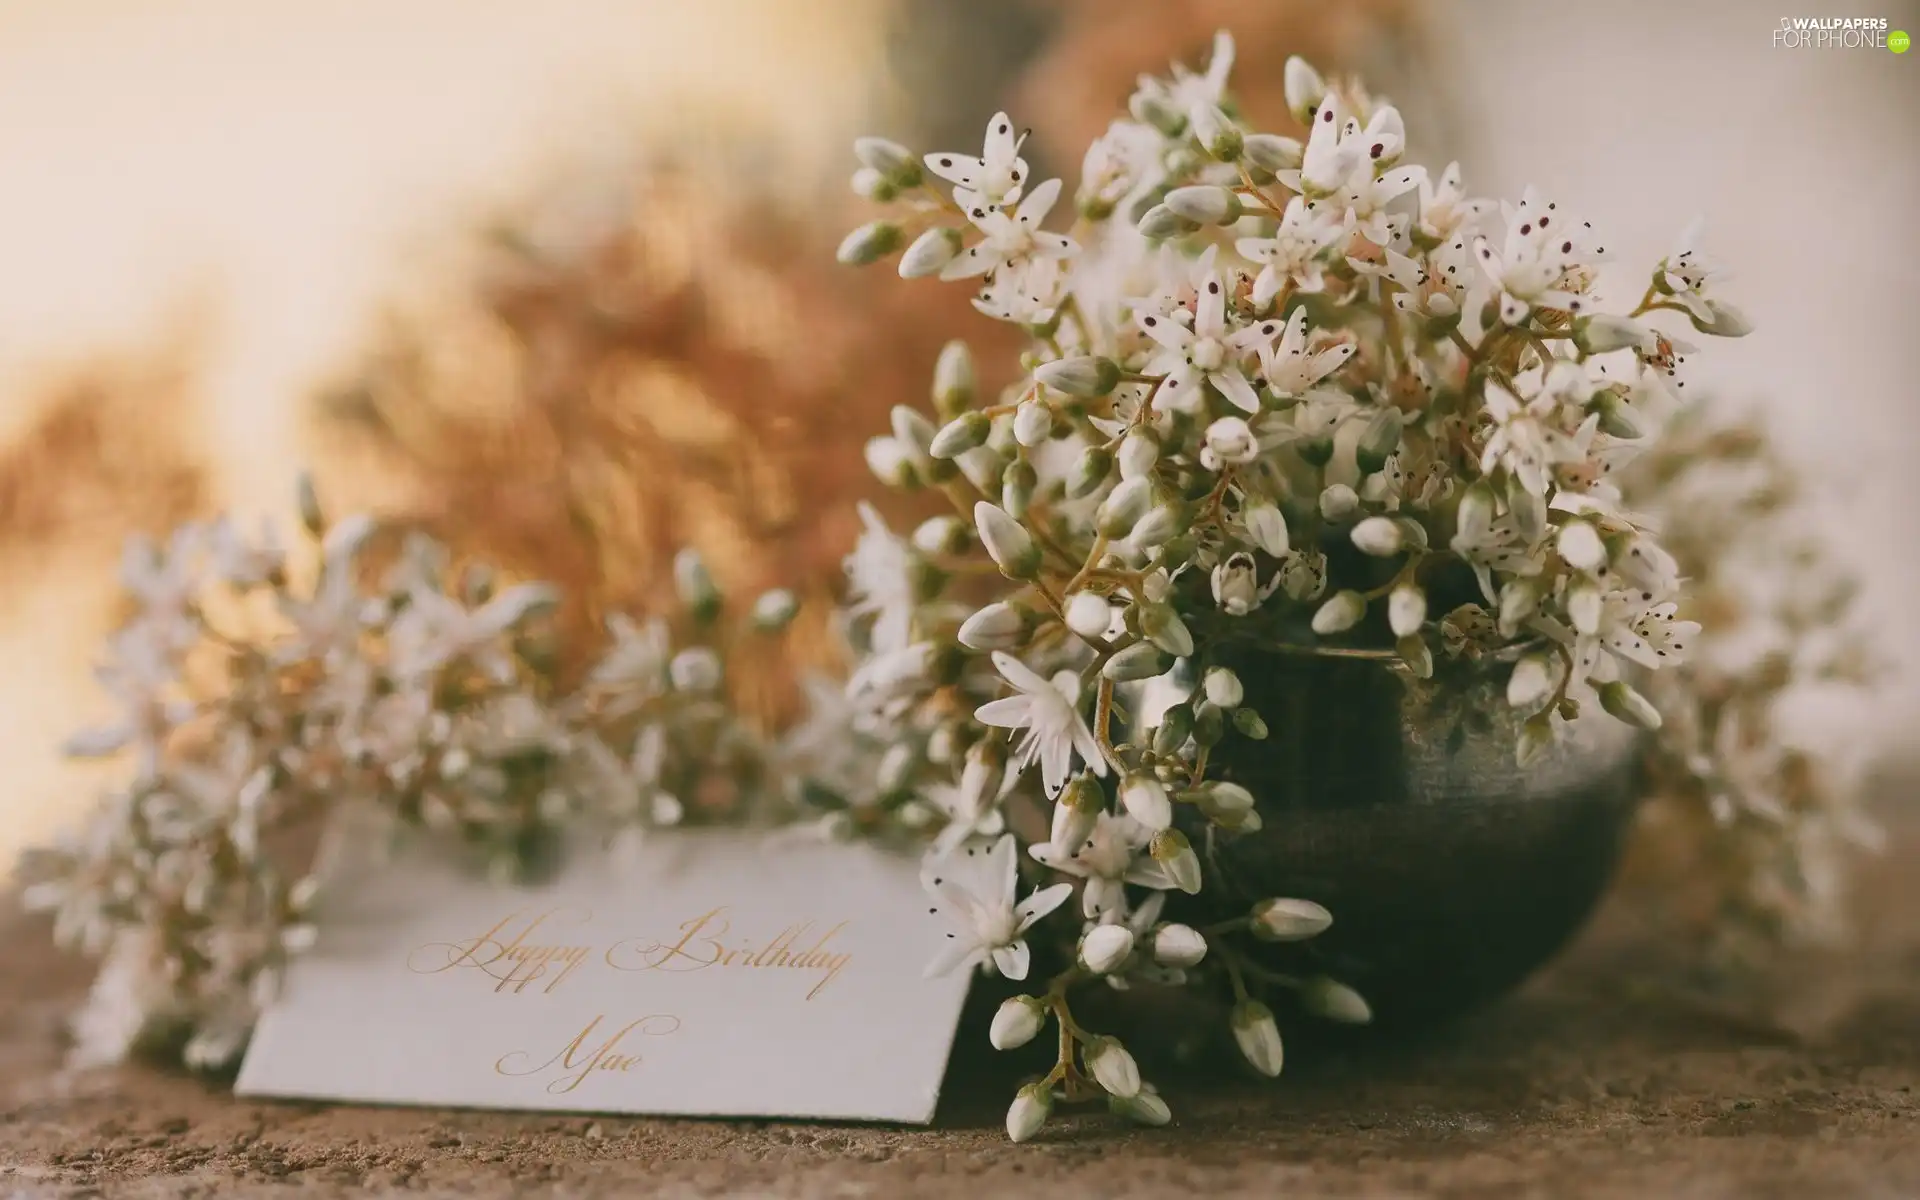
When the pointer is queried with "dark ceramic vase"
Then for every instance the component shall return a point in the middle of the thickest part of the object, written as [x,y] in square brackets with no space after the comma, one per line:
[1451,872]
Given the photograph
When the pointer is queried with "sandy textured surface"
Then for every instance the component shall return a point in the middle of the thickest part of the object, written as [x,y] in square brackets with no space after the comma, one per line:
[1609,1076]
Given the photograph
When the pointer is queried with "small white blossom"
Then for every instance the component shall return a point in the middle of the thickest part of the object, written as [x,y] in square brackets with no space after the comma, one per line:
[974,887]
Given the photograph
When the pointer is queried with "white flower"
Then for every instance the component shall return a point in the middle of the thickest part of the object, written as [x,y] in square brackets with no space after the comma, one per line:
[1366,196]
[1206,352]
[972,807]
[1291,369]
[1291,257]
[1010,237]
[1187,93]
[1445,211]
[880,582]
[1236,585]
[995,177]
[1542,245]
[1027,293]
[974,888]
[1108,860]
[1049,711]
[1525,439]
[1689,276]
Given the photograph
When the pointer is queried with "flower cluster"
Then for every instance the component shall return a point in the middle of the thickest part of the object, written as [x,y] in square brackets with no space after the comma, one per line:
[250,699]
[1278,392]
[1768,799]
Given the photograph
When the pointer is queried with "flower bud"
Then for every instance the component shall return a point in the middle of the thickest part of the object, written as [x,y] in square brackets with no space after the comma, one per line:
[1315,451]
[695,669]
[1012,547]
[1338,502]
[1086,375]
[1224,801]
[695,586]
[1341,612]
[1145,1107]
[1285,920]
[998,626]
[774,610]
[1124,507]
[1381,537]
[1216,133]
[1164,628]
[1176,726]
[953,381]
[1628,705]
[1209,726]
[1090,472]
[1335,1001]
[1089,615]
[1142,660]
[1536,738]
[1416,655]
[1032,1105]
[1159,526]
[942,535]
[1267,528]
[1273,153]
[930,252]
[1109,1063]
[1519,599]
[1017,485]
[1177,945]
[1617,417]
[1206,204]
[1532,683]
[1406,609]
[1603,332]
[891,462]
[869,244]
[1724,320]
[1149,108]
[1145,800]
[1171,849]
[1032,423]
[1579,543]
[1016,1022]
[1304,89]
[1250,724]
[1231,440]
[1105,947]
[869,184]
[1223,688]
[1139,452]
[888,158]
[1161,222]
[1379,441]
[1258,1037]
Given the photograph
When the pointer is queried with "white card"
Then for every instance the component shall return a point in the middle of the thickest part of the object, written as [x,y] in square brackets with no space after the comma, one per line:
[723,973]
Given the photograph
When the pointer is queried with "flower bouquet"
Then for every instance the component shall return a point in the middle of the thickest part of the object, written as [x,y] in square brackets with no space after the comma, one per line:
[1288,409]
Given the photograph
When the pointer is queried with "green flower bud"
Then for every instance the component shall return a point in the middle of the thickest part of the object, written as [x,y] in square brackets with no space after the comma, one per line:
[1142,660]
[953,380]
[1205,204]
[870,243]
[1087,375]
[930,252]
[965,432]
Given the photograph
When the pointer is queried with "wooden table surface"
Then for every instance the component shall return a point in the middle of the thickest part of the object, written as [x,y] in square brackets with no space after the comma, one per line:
[1609,1075]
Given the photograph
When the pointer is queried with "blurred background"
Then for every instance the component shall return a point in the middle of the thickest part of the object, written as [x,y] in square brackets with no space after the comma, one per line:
[556,280]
